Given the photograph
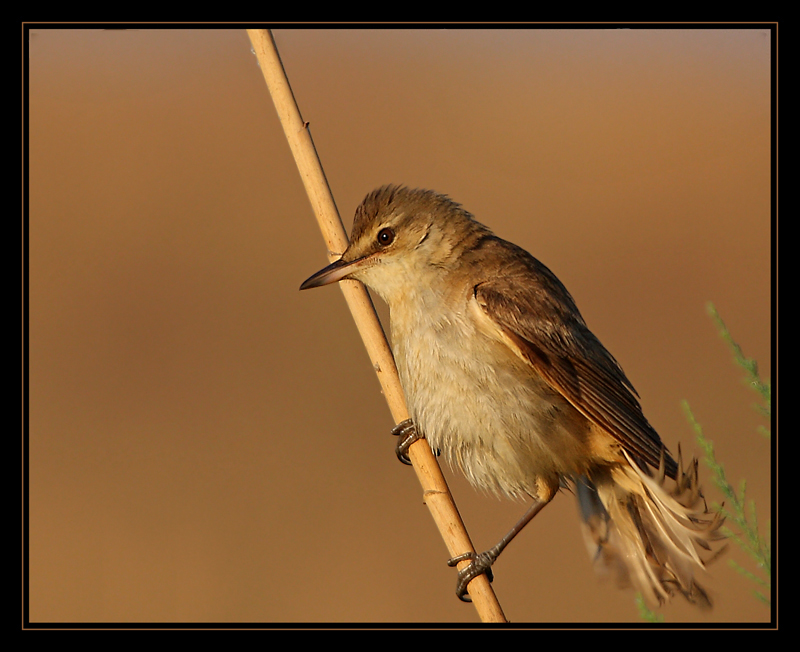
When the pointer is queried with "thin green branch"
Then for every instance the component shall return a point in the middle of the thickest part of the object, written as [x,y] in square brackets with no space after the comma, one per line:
[736,509]
[762,387]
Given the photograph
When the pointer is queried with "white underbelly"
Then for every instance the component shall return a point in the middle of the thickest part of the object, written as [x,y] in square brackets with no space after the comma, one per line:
[486,409]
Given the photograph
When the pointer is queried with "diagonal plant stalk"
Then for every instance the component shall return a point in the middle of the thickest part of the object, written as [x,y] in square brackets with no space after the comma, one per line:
[436,493]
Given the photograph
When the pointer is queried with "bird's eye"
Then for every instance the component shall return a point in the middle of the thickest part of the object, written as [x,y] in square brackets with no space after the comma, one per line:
[385,236]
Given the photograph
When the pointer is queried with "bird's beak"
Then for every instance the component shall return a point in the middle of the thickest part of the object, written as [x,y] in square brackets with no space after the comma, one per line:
[334,272]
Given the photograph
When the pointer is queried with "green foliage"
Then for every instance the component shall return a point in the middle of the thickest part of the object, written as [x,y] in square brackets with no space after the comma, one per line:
[736,509]
[763,388]
[646,613]
[742,514]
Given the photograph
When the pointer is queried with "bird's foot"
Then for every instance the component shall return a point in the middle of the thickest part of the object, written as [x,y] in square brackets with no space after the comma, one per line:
[408,434]
[480,564]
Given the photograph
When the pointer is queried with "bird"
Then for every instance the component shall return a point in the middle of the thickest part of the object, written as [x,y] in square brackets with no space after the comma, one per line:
[505,380]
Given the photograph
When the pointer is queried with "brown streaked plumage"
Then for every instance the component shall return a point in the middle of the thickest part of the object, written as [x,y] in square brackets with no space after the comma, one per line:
[502,375]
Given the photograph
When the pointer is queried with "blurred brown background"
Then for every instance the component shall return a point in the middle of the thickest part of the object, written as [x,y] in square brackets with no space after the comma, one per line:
[209,444]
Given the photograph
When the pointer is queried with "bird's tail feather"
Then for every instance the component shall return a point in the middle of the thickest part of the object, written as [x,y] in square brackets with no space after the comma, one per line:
[645,535]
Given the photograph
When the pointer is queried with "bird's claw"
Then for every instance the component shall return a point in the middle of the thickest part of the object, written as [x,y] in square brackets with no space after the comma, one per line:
[480,564]
[407,433]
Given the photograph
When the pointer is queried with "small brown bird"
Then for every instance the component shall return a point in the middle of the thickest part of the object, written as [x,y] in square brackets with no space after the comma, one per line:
[503,377]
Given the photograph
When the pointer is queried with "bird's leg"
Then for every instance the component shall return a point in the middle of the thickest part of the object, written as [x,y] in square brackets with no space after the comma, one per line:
[481,563]
[408,434]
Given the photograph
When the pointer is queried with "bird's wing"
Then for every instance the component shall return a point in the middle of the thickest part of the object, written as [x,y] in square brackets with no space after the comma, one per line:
[538,319]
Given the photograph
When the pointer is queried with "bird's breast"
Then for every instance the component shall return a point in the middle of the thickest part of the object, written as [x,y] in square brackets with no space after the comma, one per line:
[474,399]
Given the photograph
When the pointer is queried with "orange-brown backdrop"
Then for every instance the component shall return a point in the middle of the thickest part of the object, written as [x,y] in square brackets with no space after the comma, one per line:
[209,444]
